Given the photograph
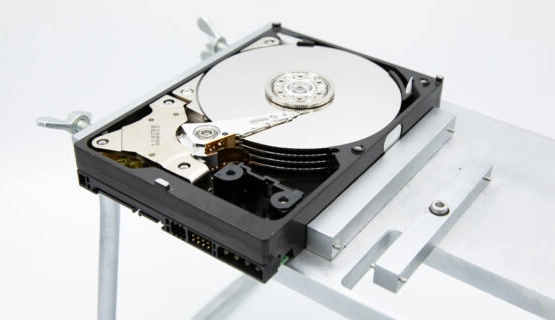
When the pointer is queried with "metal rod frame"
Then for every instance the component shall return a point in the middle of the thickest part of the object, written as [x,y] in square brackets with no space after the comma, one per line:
[108,258]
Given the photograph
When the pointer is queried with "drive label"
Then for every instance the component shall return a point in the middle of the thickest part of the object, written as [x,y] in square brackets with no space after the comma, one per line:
[155,135]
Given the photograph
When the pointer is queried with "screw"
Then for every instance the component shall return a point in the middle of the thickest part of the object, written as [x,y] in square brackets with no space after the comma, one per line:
[187,92]
[336,245]
[439,208]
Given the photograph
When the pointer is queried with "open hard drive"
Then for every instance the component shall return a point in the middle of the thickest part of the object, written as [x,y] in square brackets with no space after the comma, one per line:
[238,156]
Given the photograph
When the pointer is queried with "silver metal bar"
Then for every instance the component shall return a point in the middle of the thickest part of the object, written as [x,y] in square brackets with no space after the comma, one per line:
[338,299]
[404,256]
[343,219]
[227,299]
[108,258]
[360,269]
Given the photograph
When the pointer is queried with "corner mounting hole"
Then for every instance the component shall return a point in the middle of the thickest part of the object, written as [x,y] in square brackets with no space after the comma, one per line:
[440,204]
[102,142]
[230,172]
[169,101]
[283,199]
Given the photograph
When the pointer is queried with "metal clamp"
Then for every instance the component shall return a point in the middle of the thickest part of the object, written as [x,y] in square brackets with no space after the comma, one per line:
[75,122]
[216,43]
[404,256]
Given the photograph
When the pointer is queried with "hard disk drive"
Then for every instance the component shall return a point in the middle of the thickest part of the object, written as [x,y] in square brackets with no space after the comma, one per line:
[240,154]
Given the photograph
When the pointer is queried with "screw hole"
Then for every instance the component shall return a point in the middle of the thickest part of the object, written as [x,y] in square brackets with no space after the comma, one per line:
[169,101]
[425,82]
[102,142]
[184,166]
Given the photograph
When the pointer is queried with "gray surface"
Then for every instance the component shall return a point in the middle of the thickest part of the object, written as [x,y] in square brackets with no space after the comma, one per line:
[505,236]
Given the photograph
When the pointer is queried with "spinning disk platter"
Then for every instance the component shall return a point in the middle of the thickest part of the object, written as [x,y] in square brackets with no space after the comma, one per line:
[362,97]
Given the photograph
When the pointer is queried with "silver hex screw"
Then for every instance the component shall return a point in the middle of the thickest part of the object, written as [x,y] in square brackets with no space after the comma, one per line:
[439,208]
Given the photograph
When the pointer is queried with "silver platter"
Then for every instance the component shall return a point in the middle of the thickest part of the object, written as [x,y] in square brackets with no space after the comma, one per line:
[365,97]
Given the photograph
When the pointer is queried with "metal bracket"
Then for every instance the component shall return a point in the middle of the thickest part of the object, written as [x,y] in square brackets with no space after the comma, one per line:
[330,232]
[404,256]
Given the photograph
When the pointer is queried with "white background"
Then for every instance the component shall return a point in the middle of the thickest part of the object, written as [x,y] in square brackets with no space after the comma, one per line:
[61,55]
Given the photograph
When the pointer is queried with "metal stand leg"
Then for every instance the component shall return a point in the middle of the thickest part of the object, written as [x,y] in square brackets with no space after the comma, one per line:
[108,258]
